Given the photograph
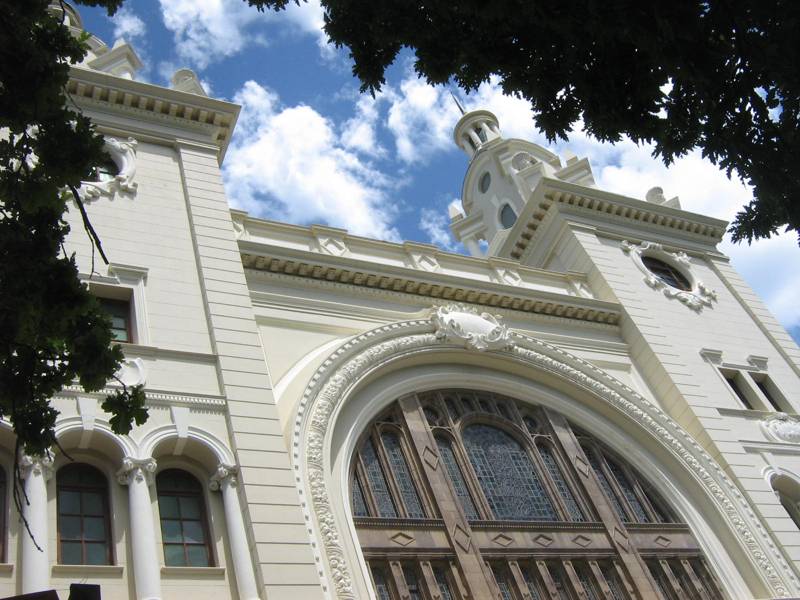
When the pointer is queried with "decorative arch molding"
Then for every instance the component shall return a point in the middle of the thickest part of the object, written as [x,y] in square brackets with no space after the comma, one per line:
[164,433]
[358,359]
[125,444]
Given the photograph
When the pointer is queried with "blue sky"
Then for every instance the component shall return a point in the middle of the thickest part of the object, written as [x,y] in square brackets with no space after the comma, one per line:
[309,148]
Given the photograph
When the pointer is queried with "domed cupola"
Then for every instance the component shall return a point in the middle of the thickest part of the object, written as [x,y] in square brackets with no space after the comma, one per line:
[475,131]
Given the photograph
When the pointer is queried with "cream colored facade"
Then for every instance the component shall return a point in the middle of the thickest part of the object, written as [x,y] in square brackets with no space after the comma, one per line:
[266,349]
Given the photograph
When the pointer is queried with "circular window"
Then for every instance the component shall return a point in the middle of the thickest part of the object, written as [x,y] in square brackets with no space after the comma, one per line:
[667,273]
[485,182]
[507,216]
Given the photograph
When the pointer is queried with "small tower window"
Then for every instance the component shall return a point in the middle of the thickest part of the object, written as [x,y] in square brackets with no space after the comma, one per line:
[667,273]
[107,170]
[507,216]
[485,182]
[481,134]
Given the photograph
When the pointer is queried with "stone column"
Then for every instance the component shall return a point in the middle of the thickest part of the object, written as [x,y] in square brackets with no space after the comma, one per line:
[35,471]
[225,481]
[137,474]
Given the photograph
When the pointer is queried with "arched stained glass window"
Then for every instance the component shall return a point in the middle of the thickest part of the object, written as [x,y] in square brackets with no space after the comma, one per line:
[377,480]
[184,528]
[506,475]
[399,467]
[549,460]
[528,509]
[456,477]
[84,530]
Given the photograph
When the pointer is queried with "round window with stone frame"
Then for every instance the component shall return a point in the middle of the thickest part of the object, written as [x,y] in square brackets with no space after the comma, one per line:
[484,182]
[667,273]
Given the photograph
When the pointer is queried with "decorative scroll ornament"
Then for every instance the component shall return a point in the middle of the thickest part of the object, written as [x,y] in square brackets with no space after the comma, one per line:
[221,475]
[475,331]
[699,296]
[132,372]
[136,469]
[782,428]
[123,153]
[39,465]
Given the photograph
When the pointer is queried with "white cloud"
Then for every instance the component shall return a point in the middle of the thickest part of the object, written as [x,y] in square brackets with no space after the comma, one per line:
[206,31]
[287,163]
[359,132]
[435,223]
[127,25]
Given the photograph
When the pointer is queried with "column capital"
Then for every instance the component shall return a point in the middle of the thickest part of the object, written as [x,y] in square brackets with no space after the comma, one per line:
[224,473]
[40,464]
[136,469]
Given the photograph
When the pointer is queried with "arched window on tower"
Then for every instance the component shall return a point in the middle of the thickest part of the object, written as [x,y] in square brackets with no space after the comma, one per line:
[184,525]
[84,529]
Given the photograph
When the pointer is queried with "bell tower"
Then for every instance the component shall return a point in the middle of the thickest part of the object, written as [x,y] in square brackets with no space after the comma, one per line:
[501,177]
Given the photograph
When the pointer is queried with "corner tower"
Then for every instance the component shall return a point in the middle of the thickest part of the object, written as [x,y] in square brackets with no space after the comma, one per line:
[501,176]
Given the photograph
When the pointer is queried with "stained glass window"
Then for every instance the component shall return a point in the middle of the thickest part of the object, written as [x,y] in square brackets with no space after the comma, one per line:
[613,581]
[412,582]
[501,578]
[359,504]
[456,477]
[452,408]
[399,468]
[605,485]
[443,583]
[377,481]
[557,476]
[559,578]
[382,589]
[533,583]
[507,476]
[627,490]
[587,581]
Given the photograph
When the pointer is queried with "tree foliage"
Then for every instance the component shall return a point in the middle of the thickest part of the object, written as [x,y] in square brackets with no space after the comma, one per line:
[53,332]
[719,75]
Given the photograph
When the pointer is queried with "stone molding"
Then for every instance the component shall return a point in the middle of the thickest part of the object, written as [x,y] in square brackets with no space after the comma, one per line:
[341,373]
[139,469]
[699,296]
[467,326]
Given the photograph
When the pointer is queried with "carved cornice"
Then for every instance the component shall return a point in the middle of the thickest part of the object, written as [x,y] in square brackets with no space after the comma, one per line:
[446,289]
[347,366]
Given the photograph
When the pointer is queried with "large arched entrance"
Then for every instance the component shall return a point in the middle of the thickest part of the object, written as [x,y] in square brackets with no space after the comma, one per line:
[503,480]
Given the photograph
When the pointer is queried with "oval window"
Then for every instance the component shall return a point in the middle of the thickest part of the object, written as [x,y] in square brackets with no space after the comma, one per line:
[507,216]
[667,273]
[485,182]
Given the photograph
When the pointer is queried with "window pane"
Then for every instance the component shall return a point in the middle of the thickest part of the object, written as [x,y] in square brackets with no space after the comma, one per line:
[174,556]
[554,470]
[190,507]
[198,556]
[377,482]
[70,528]
[443,583]
[69,502]
[71,553]
[412,583]
[457,478]
[359,504]
[168,507]
[94,528]
[92,503]
[382,590]
[605,485]
[96,554]
[171,531]
[507,476]
[399,468]
[627,490]
[193,532]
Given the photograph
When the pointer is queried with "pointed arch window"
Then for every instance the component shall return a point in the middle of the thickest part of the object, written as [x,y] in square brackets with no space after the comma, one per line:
[509,481]
[184,526]
[84,529]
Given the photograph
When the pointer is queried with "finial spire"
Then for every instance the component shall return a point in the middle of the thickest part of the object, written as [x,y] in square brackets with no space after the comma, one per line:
[458,104]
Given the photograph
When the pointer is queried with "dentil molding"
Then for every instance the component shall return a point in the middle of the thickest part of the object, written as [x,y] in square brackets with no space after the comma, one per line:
[339,375]
[696,298]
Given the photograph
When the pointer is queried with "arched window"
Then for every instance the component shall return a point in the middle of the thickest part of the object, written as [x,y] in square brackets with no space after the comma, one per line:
[513,483]
[84,531]
[184,527]
[788,492]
